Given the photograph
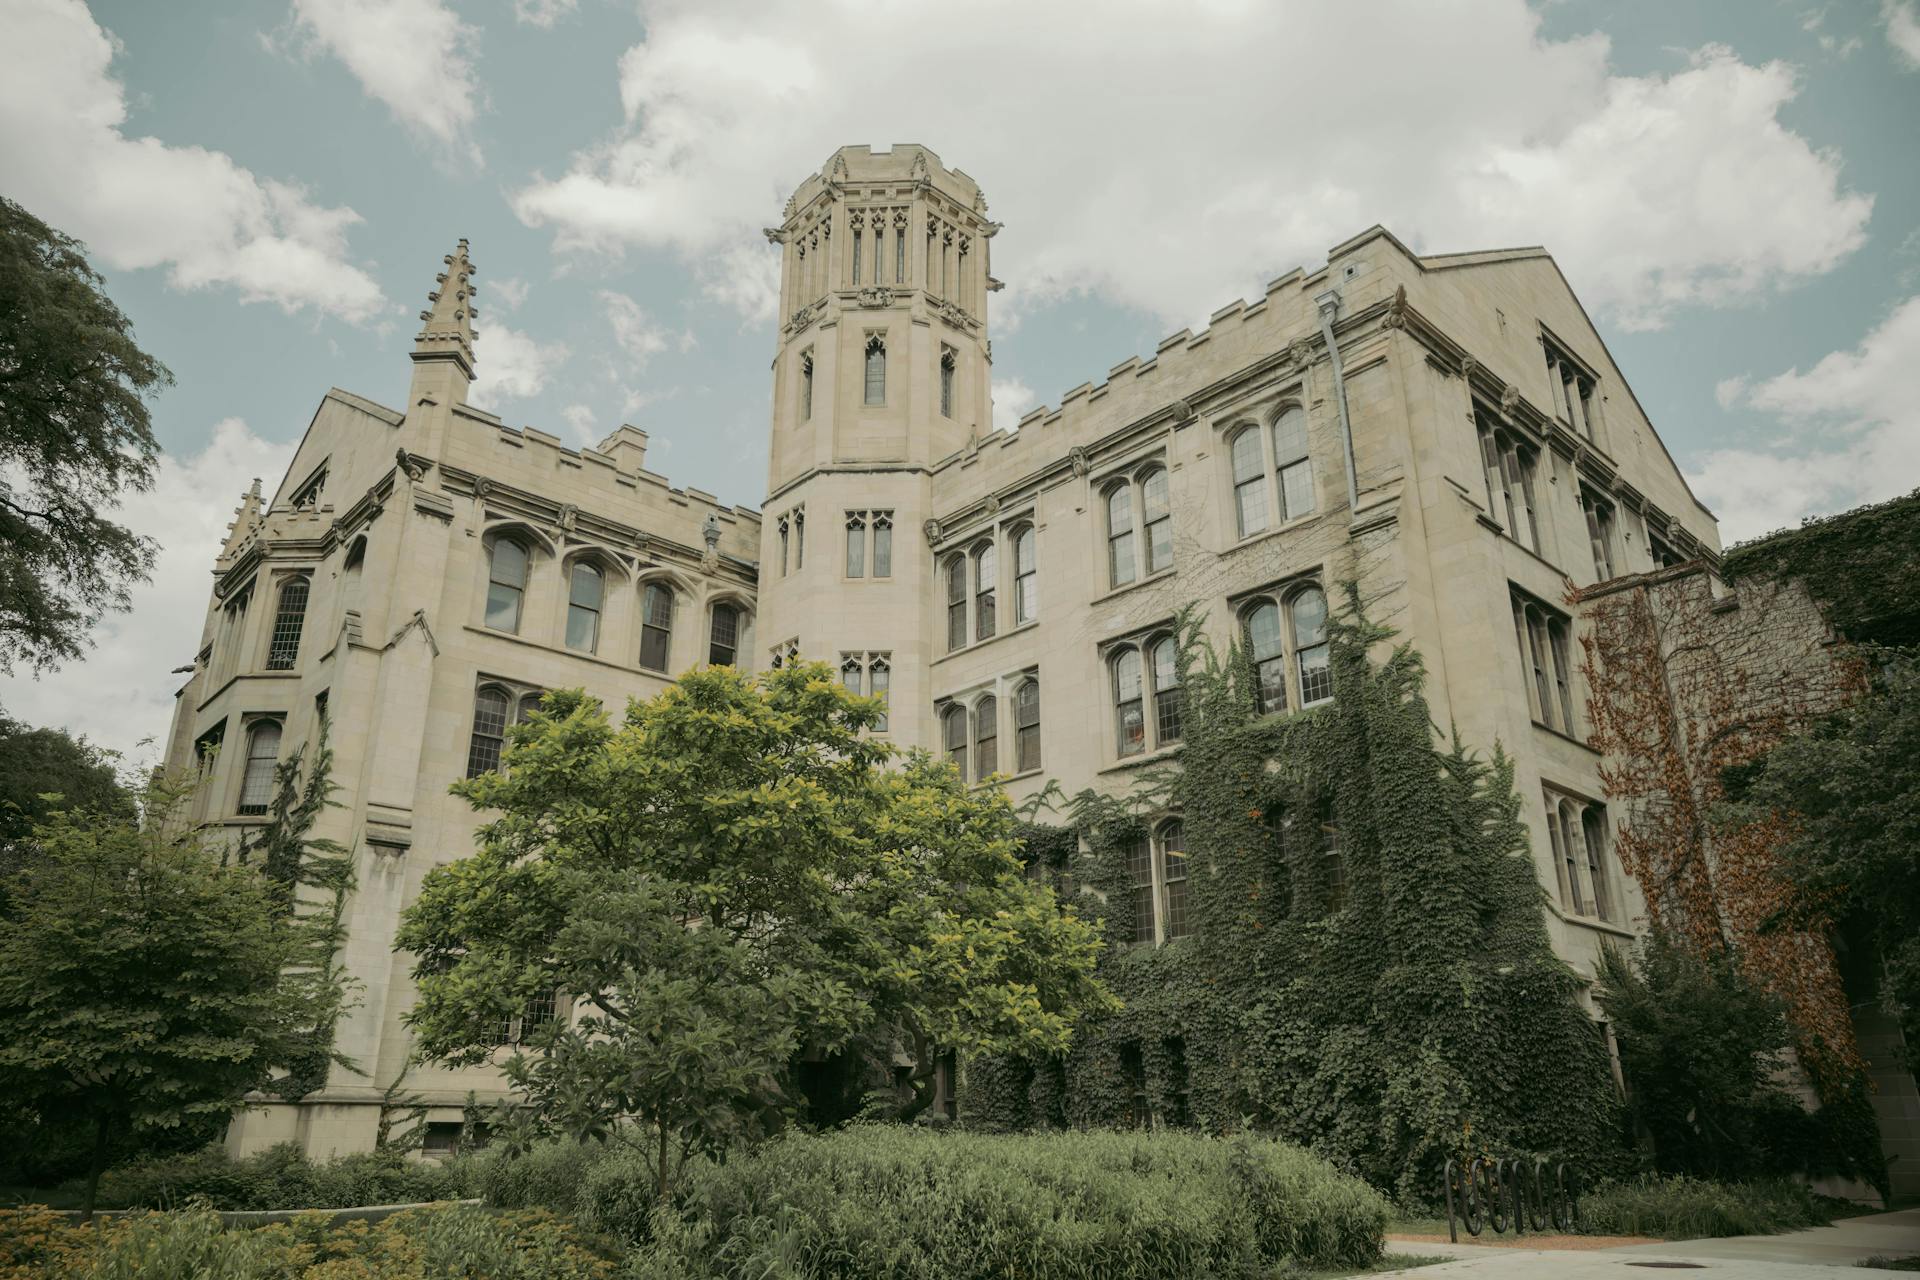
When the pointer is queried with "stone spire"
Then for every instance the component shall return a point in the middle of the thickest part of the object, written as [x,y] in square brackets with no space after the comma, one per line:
[445,342]
[246,519]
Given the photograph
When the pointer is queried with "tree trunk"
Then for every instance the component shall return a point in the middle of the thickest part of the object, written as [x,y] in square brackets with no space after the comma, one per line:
[95,1167]
[660,1187]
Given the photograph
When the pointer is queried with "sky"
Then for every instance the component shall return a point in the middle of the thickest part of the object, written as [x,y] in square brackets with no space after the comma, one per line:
[1730,185]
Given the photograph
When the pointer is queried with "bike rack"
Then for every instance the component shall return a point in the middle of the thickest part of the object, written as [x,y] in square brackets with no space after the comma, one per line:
[1498,1193]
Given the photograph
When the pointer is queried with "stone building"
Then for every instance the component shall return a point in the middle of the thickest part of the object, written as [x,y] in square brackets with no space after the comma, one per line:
[1450,431]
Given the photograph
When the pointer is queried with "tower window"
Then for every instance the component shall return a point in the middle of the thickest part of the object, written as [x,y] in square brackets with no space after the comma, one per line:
[986,738]
[585,589]
[876,369]
[1120,565]
[806,385]
[284,646]
[956,603]
[986,574]
[883,544]
[1026,726]
[947,362]
[880,685]
[856,544]
[1156,515]
[1026,584]
[256,780]
[506,584]
[656,625]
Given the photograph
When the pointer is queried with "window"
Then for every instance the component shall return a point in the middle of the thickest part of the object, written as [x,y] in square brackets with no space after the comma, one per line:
[1249,482]
[1576,393]
[1129,719]
[799,538]
[233,622]
[986,573]
[1315,672]
[1173,858]
[256,779]
[1156,514]
[859,235]
[876,369]
[1546,651]
[490,707]
[1577,831]
[1593,834]
[852,673]
[786,544]
[1120,567]
[1599,532]
[308,494]
[1511,468]
[856,544]
[879,683]
[947,362]
[883,544]
[1026,580]
[956,603]
[723,644]
[1563,829]
[656,625]
[784,654]
[506,584]
[806,385]
[986,738]
[1169,701]
[1140,872]
[585,588]
[1026,726]
[284,645]
[350,571]
[1333,862]
[1291,463]
[953,727]
[1662,552]
[1269,659]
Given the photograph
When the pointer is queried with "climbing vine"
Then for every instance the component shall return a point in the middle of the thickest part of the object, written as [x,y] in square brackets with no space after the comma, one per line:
[1369,972]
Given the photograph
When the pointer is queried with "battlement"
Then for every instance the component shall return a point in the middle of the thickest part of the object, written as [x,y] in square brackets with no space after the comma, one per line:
[905,164]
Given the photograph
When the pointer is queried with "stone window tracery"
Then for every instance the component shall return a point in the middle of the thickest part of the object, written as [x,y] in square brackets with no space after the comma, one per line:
[283,646]
[256,777]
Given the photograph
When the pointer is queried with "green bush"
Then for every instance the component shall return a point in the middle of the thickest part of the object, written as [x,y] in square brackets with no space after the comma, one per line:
[1682,1208]
[281,1177]
[906,1203]
[548,1175]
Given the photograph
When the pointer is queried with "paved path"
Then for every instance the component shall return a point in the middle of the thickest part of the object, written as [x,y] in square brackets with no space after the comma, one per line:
[1796,1255]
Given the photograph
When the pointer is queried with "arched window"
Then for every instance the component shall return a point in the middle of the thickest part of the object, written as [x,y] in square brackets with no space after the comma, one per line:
[586,586]
[506,584]
[879,683]
[856,544]
[1292,464]
[1311,656]
[723,645]
[956,603]
[1140,875]
[806,385]
[883,544]
[1593,831]
[876,369]
[953,728]
[1156,515]
[986,575]
[256,779]
[1026,726]
[947,363]
[1026,578]
[852,674]
[656,626]
[1249,482]
[491,707]
[528,704]
[1173,870]
[1120,567]
[986,737]
[284,644]
[350,573]
[1129,717]
[1570,848]
[1269,657]
[1169,701]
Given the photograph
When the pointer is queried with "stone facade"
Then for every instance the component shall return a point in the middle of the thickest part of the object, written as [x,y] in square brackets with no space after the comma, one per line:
[1449,432]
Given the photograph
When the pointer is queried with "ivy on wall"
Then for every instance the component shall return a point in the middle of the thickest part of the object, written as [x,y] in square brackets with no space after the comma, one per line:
[1370,972]
[1857,564]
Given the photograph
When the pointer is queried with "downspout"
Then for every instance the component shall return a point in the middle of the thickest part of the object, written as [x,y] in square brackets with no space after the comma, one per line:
[1329,305]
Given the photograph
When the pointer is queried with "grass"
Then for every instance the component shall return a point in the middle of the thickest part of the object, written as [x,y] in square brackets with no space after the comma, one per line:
[1910,1262]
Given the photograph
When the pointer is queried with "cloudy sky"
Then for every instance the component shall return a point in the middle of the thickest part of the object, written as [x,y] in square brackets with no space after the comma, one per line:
[1730,185]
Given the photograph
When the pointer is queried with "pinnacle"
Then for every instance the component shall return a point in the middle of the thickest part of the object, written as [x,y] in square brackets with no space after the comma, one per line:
[447,322]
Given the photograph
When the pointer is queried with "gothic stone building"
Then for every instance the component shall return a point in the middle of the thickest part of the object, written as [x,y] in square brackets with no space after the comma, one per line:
[1448,430]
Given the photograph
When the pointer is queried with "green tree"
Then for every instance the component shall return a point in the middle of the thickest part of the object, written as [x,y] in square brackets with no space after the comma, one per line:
[731,878]
[140,979]
[1849,789]
[74,435]
[1700,1047]
[46,769]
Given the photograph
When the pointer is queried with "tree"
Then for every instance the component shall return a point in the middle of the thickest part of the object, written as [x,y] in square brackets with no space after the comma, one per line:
[732,879]
[74,434]
[46,769]
[140,979]
[1849,790]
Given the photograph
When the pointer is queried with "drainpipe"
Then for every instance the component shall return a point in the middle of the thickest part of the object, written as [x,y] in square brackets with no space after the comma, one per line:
[1329,305]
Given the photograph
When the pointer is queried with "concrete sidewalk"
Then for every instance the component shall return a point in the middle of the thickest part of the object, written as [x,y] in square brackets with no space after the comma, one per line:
[1796,1255]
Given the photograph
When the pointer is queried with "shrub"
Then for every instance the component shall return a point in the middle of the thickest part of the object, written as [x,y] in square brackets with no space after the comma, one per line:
[906,1203]
[548,1175]
[1680,1208]
[282,1177]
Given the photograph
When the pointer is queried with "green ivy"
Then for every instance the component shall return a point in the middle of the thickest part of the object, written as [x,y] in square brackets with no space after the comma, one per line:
[1857,564]
[1389,1004]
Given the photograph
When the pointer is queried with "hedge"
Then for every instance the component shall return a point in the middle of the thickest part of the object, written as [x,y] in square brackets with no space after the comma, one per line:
[1684,1208]
[282,1177]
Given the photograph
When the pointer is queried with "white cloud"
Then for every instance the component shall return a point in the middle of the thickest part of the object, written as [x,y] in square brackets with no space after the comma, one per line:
[633,329]
[507,294]
[543,13]
[122,691]
[414,56]
[1172,157]
[139,202]
[1850,433]
[1902,19]
[1011,399]
[511,365]
[581,418]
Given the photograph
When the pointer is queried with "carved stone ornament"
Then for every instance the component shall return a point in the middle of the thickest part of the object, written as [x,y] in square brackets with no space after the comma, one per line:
[953,315]
[932,529]
[1467,366]
[569,516]
[919,170]
[772,234]
[873,296]
[482,486]
[1082,464]
[1509,398]
[801,318]
[1396,317]
[992,505]
[412,466]
[1301,349]
[1182,411]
